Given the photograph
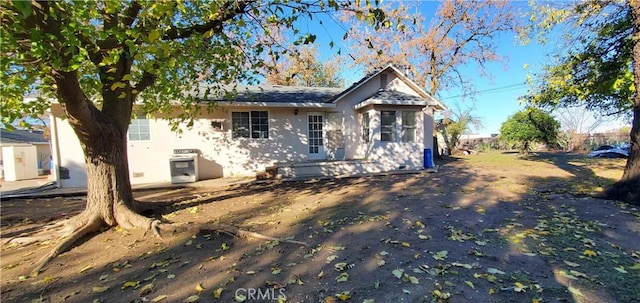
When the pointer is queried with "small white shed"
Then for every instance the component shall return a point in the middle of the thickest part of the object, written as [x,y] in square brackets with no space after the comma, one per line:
[20,162]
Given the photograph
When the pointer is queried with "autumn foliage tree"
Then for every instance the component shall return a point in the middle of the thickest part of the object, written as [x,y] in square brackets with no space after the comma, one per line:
[302,67]
[99,59]
[434,52]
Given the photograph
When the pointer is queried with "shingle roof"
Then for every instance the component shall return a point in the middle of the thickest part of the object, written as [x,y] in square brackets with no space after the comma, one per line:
[397,96]
[292,95]
[276,93]
[22,136]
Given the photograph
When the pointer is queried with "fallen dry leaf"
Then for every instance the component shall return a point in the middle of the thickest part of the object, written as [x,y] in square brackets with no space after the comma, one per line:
[218,292]
[495,271]
[146,289]
[329,299]
[199,287]
[99,289]
[398,273]
[129,284]
[344,296]
[343,277]
[441,255]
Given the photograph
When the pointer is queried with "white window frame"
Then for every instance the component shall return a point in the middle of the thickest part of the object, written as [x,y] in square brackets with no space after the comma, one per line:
[250,130]
[409,129]
[136,131]
[391,128]
[365,130]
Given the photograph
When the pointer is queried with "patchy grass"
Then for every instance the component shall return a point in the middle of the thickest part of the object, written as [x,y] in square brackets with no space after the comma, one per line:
[558,172]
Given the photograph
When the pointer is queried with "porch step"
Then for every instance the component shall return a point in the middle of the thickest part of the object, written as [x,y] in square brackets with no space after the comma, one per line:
[333,168]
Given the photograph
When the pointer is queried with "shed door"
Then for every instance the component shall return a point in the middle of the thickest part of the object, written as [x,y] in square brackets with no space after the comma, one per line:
[315,136]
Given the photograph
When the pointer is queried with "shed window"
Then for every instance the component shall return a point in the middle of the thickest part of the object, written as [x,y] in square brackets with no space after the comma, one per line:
[218,125]
[408,126]
[387,125]
[366,131]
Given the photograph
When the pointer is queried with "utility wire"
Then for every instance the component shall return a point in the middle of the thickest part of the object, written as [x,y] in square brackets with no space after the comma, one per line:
[501,89]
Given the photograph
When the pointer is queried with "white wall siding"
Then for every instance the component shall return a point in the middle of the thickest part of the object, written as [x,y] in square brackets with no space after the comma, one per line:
[71,168]
[354,148]
[223,156]
[394,155]
[428,125]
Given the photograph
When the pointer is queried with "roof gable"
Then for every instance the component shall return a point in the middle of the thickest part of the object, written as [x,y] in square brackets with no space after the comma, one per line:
[414,86]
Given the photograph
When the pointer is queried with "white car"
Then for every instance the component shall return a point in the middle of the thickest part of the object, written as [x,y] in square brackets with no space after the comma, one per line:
[606,151]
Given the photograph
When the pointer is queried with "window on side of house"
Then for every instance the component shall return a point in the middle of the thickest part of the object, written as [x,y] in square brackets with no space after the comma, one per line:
[240,125]
[408,126]
[253,124]
[259,125]
[366,131]
[387,125]
[139,130]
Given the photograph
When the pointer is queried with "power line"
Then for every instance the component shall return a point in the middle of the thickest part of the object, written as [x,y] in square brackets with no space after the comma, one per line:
[501,89]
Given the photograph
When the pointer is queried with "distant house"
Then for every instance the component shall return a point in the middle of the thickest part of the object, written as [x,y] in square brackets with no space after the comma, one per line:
[383,122]
[24,154]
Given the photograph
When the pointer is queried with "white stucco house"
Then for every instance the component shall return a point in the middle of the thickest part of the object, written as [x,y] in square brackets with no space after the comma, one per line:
[383,122]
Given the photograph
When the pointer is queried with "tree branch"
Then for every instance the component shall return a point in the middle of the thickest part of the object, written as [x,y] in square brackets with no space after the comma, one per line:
[131,14]
[147,80]
[231,9]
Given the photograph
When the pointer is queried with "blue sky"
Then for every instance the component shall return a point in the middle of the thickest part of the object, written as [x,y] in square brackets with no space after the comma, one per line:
[497,96]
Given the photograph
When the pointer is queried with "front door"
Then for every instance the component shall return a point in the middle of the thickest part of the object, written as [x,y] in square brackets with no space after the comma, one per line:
[315,135]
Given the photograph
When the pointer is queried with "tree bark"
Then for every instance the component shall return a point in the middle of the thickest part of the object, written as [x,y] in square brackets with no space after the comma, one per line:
[110,200]
[628,187]
[109,195]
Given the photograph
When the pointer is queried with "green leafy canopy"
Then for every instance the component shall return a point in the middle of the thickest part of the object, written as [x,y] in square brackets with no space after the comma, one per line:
[163,51]
[596,70]
[530,125]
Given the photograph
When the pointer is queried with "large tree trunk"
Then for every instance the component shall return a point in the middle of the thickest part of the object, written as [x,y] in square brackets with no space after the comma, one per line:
[109,196]
[628,187]
[103,138]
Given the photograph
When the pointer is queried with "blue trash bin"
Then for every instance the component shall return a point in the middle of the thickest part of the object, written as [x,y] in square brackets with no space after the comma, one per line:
[428,158]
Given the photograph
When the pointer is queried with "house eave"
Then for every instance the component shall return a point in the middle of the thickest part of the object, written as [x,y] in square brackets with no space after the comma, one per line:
[275,104]
[389,102]
[439,106]
[23,143]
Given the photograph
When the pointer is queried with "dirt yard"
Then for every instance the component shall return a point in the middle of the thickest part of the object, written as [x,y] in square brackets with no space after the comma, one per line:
[487,228]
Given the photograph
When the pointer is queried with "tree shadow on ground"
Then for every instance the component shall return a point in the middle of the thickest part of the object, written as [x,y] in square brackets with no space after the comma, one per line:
[585,174]
[379,227]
